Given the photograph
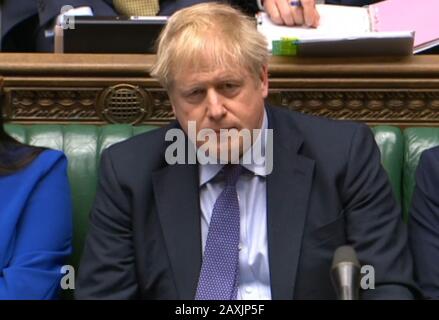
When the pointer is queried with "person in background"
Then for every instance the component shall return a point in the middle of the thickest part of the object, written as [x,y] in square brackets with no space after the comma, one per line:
[35,219]
[27,25]
[424,223]
[303,12]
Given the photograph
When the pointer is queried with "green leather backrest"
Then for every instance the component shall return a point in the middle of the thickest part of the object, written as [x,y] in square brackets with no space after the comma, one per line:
[83,145]
[390,142]
[416,140]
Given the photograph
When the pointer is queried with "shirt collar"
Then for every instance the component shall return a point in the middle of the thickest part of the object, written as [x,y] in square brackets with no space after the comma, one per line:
[257,166]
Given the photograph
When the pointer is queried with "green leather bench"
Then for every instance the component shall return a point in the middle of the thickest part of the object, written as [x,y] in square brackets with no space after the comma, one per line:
[83,145]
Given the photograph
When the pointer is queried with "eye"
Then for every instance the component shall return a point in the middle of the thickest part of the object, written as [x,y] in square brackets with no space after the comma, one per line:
[230,87]
[194,93]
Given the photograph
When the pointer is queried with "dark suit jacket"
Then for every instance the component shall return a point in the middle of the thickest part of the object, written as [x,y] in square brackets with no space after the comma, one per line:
[29,18]
[424,223]
[327,189]
[24,21]
[16,11]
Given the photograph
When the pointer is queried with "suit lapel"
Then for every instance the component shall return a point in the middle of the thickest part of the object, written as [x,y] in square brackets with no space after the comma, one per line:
[288,190]
[177,197]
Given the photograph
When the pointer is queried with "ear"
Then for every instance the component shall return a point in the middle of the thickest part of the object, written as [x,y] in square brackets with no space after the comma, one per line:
[171,100]
[264,80]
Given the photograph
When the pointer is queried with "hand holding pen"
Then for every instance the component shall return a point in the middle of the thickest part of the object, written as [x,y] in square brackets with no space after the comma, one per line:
[293,13]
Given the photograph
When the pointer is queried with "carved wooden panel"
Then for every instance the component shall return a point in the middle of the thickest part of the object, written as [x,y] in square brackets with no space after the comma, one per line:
[118,89]
[121,103]
[368,105]
[51,104]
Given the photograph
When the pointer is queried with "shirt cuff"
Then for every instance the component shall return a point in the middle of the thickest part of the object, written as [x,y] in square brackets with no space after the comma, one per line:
[80,11]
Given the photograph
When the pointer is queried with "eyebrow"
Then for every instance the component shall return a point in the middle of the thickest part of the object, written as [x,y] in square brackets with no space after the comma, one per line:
[226,78]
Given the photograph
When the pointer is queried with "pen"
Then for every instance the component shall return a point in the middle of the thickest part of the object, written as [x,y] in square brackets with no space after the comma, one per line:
[297,3]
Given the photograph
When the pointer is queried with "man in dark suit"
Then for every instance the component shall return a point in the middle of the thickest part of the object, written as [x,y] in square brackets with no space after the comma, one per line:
[424,223]
[156,227]
[27,24]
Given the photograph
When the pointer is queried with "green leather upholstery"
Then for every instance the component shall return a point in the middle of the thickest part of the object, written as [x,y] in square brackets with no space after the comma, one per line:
[83,145]
[416,140]
[390,142]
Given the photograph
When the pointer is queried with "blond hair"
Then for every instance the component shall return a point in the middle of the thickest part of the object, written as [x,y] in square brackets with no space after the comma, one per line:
[209,33]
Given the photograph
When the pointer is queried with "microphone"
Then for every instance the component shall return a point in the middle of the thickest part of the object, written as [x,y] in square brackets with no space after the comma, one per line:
[345,273]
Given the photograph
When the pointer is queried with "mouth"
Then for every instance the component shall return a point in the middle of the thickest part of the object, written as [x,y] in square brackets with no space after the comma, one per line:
[224,129]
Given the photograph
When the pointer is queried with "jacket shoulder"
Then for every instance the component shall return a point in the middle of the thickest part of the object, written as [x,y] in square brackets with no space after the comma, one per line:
[145,149]
[321,127]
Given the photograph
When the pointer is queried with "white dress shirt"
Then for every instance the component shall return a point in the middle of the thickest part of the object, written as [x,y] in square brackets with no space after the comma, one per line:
[254,270]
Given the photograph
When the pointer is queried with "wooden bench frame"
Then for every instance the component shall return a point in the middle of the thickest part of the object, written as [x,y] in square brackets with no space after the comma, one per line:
[97,89]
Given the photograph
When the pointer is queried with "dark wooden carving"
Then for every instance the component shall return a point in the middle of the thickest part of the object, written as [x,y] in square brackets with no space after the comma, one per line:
[118,89]
[45,104]
[383,106]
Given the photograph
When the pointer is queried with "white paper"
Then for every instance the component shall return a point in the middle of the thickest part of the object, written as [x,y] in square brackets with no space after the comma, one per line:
[336,22]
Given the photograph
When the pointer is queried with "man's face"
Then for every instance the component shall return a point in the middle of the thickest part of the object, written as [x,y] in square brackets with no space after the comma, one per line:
[219,99]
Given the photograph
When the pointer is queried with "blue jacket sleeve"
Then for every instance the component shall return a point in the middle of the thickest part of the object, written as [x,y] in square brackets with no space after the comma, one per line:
[424,223]
[42,241]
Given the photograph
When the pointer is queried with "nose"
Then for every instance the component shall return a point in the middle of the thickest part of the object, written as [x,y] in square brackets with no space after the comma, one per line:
[215,105]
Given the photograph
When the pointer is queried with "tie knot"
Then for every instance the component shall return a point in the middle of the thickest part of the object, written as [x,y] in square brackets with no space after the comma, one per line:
[232,173]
